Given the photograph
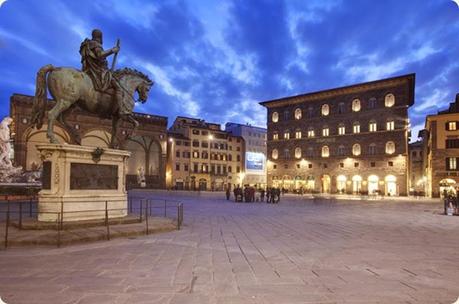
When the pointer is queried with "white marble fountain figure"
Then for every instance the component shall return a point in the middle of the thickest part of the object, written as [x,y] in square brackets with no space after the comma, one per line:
[7,171]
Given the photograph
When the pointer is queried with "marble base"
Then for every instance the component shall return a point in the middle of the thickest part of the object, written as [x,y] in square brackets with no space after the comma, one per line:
[78,180]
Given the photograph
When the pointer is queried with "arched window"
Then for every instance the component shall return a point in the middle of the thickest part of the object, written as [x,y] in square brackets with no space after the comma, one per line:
[389,100]
[275,136]
[274,154]
[356,150]
[341,150]
[286,115]
[325,110]
[310,152]
[390,147]
[356,105]
[286,134]
[372,103]
[297,152]
[275,117]
[341,183]
[372,126]
[341,129]
[325,151]
[356,127]
[390,125]
[298,113]
[298,134]
[341,108]
[325,131]
[286,153]
[311,132]
[310,112]
[372,149]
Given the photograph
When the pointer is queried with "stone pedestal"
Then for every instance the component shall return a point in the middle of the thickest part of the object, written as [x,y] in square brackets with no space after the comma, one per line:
[78,180]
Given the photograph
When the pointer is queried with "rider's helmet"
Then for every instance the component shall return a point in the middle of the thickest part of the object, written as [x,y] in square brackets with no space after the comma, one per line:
[97,35]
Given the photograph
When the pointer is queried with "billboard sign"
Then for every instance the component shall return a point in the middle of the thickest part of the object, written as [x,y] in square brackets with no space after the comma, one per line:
[255,161]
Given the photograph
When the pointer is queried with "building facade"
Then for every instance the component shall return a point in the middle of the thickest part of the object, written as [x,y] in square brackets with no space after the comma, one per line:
[441,151]
[417,179]
[201,156]
[147,146]
[255,152]
[351,139]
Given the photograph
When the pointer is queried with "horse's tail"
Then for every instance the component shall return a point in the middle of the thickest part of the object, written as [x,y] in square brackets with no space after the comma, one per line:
[39,101]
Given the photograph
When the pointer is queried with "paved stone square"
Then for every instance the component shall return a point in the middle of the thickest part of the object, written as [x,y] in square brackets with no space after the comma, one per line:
[302,250]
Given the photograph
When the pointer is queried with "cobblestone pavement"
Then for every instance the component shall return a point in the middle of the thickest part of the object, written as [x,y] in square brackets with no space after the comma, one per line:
[299,251]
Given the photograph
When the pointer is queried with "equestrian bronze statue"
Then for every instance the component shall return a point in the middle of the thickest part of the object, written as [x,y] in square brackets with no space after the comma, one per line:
[95,89]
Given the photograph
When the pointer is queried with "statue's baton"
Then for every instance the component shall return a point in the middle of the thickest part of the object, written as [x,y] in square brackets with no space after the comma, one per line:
[116,55]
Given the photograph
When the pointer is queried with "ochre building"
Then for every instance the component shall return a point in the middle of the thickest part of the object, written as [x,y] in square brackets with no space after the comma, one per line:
[441,151]
[147,146]
[352,139]
[201,156]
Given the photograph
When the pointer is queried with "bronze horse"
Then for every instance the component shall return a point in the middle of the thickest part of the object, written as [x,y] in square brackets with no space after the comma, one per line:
[70,87]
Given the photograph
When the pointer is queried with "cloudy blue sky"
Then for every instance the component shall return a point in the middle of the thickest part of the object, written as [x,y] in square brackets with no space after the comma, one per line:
[217,59]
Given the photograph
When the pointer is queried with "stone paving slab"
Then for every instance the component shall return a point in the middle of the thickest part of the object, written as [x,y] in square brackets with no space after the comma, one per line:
[303,250]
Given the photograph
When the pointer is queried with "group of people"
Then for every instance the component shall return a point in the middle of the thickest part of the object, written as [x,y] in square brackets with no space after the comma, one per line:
[451,202]
[251,194]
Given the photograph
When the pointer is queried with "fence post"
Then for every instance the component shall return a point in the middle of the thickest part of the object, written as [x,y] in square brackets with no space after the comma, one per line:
[58,230]
[146,216]
[7,222]
[106,221]
[141,206]
[30,207]
[178,217]
[20,215]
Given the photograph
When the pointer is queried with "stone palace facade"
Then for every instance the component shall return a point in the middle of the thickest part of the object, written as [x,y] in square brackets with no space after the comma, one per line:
[352,139]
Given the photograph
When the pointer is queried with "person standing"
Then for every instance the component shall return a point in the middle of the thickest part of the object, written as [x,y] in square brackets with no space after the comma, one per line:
[228,193]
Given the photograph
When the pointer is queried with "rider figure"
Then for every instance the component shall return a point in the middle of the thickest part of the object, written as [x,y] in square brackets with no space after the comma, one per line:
[94,63]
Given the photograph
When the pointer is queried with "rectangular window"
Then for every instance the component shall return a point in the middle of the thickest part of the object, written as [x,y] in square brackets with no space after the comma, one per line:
[178,143]
[238,157]
[286,135]
[341,130]
[356,165]
[274,167]
[325,131]
[185,167]
[177,153]
[205,144]
[372,127]
[310,166]
[230,169]
[356,128]
[298,166]
[195,168]
[390,125]
[451,163]
[451,126]
[238,169]
[390,164]
[341,165]
[275,136]
[195,132]
[195,154]
[452,143]
[372,164]
[298,134]
[310,133]
[195,143]
[177,167]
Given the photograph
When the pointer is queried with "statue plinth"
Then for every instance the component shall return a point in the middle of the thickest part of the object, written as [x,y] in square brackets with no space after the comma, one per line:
[78,180]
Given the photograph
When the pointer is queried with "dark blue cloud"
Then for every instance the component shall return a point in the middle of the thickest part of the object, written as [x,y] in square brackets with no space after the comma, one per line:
[217,59]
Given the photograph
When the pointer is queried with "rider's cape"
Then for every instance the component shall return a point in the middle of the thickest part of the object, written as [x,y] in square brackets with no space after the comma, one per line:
[94,65]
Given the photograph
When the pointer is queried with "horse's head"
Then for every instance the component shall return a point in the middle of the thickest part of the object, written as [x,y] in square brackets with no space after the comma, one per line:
[143,89]
[136,82]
